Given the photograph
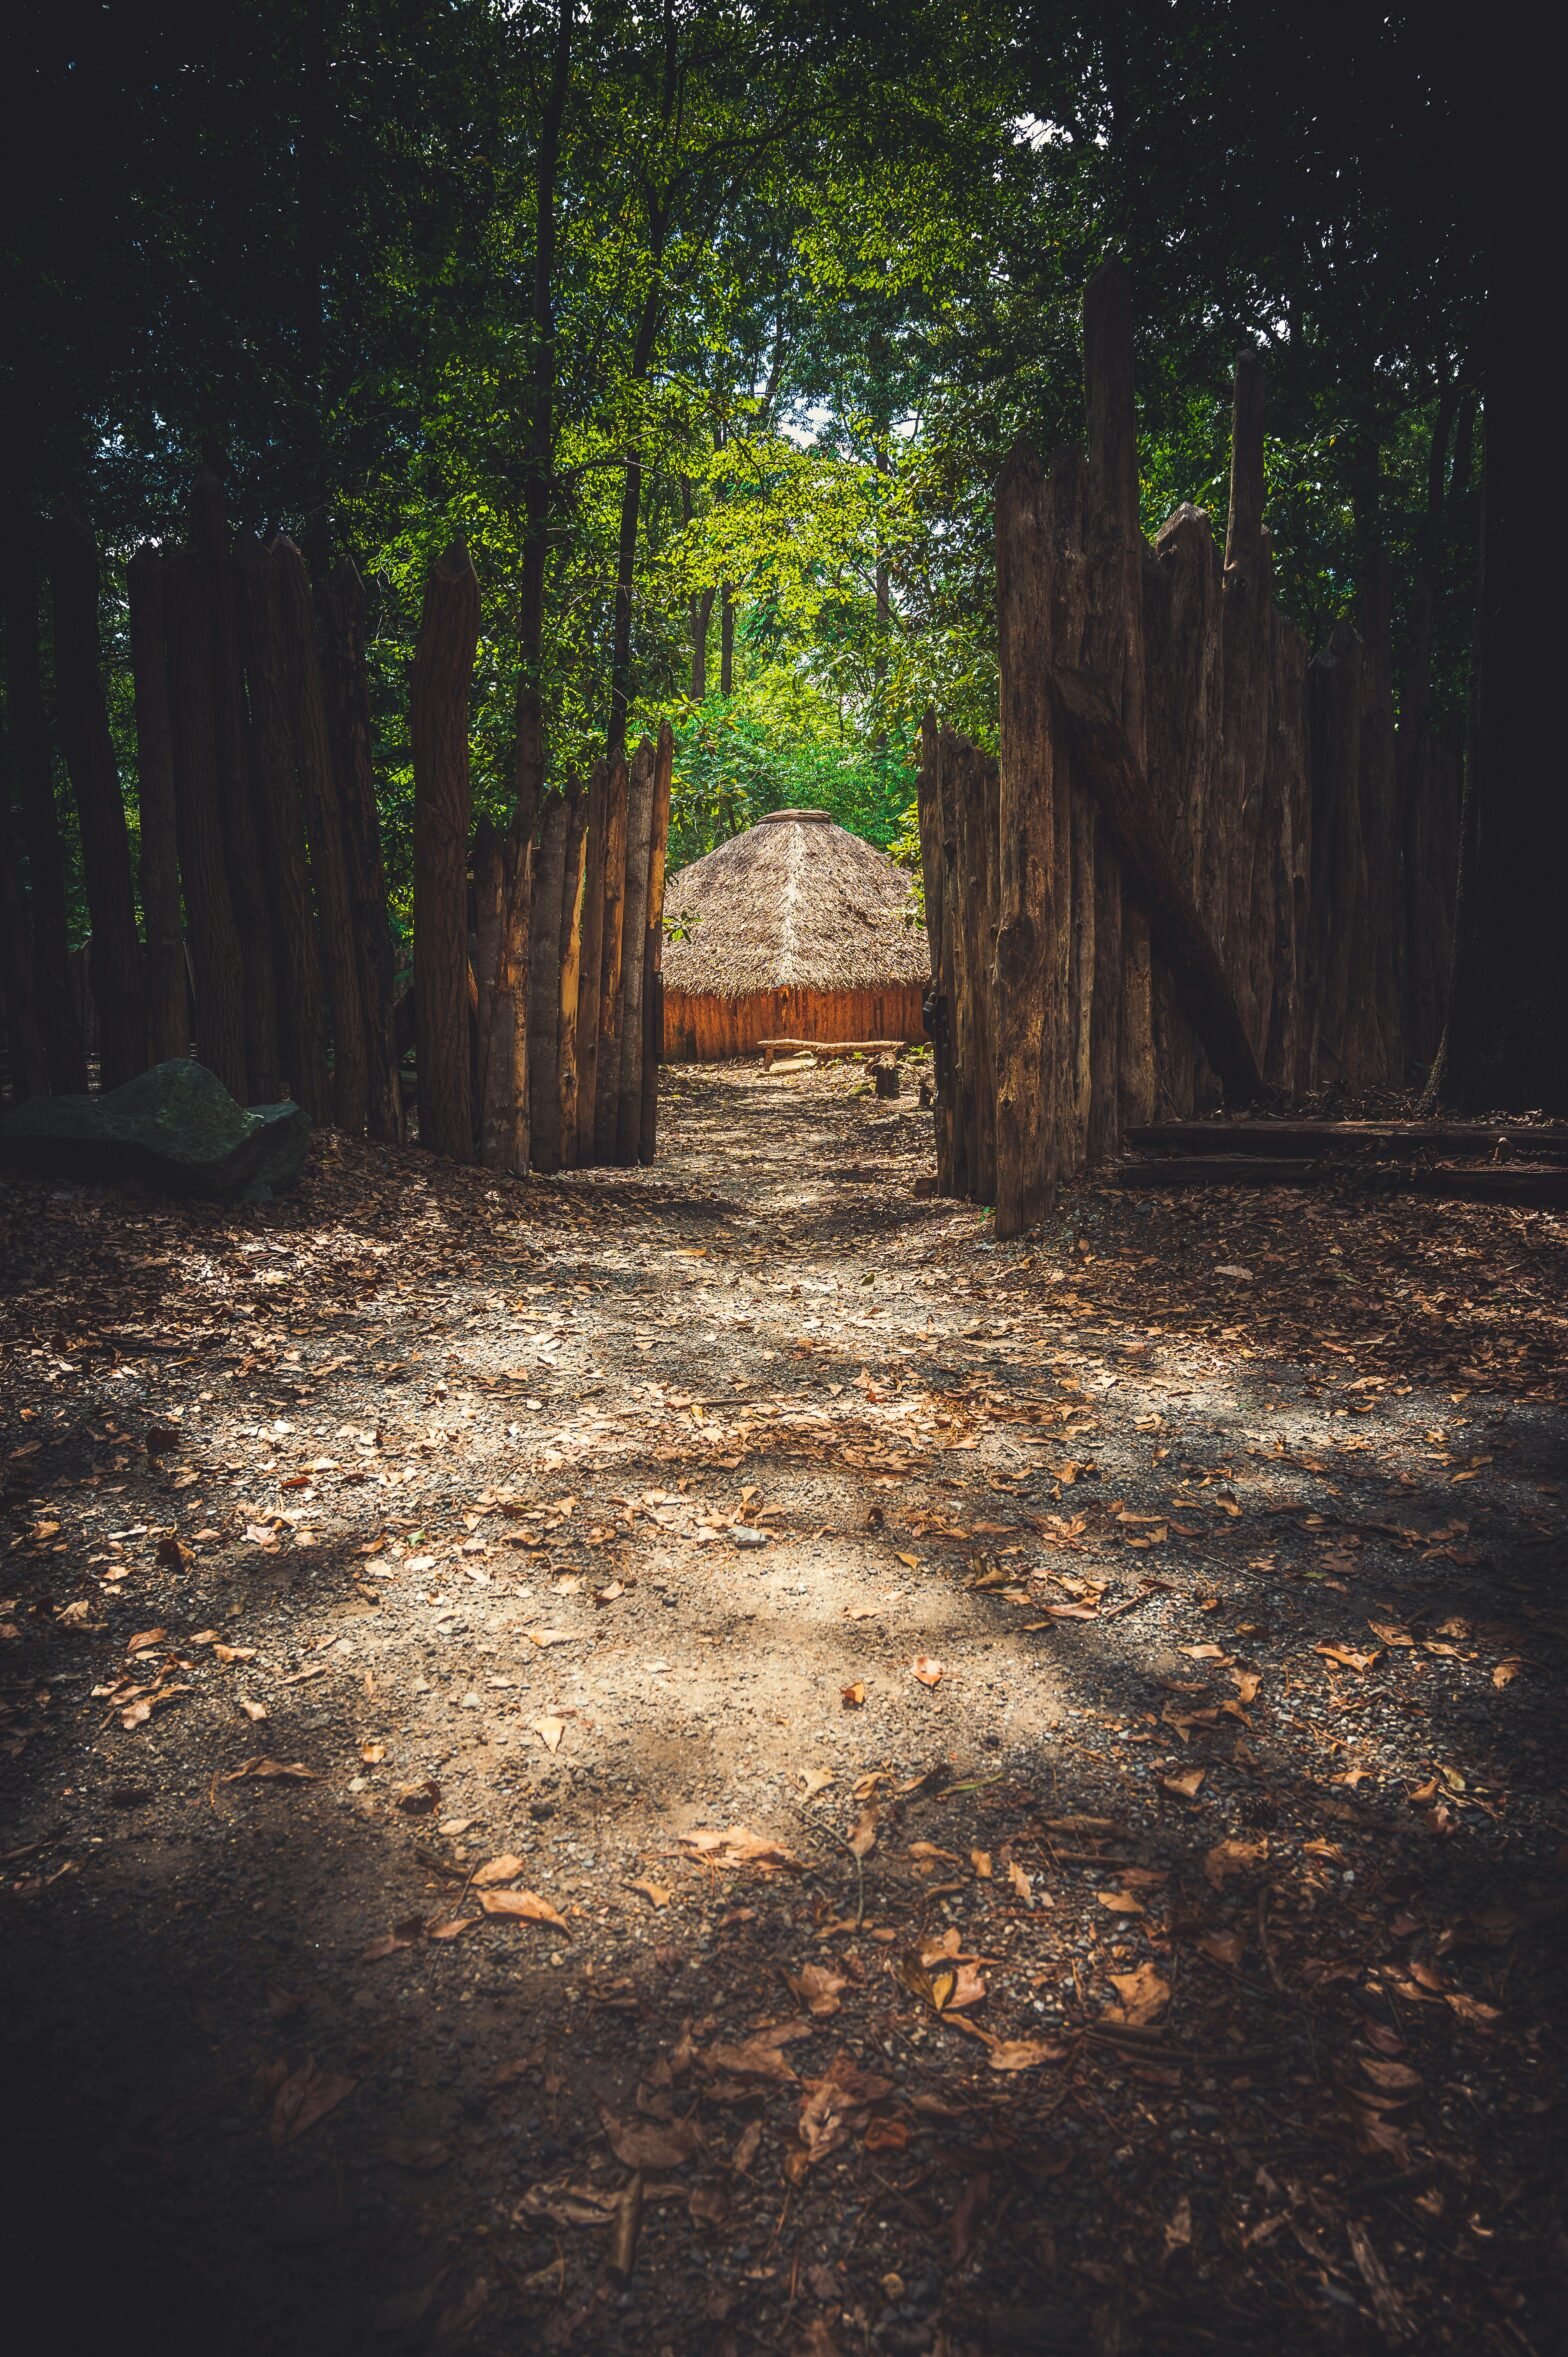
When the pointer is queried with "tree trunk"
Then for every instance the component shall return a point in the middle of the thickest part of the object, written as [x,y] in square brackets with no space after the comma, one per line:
[701,619]
[612,941]
[727,641]
[544,988]
[29,1061]
[217,966]
[329,862]
[1027,1027]
[281,820]
[438,715]
[83,721]
[590,965]
[168,995]
[28,725]
[653,967]
[342,617]
[1505,1048]
[237,790]
[639,822]
[569,997]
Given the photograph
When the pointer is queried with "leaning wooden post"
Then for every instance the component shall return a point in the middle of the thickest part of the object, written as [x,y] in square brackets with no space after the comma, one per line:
[1027,1045]
[612,943]
[588,977]
[569,980]
[653,969]
[83,716]
[168,996]
[639,815]
[217,967]
[438,714]
[544,988]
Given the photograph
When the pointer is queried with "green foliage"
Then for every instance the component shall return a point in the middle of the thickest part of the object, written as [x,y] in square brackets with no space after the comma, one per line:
[736,760]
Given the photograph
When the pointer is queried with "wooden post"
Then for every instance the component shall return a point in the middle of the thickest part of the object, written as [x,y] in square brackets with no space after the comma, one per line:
[569,992]
[24,1035]
[329,864]
[1027,1044]
[503,1044]
[939,1001]
[438,714]
[544,988]
[589,965]
[342,619]
[1244,523]
[236,789]
[282,826]
[639,820]
[27,723]
[1123,1050]
[653,974]
[217,967]
[83,717]
[612,938]
[168,995]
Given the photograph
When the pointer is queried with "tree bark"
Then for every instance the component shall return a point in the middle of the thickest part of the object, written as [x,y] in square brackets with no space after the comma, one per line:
[653,967]
[1027,1042]
[28,724]
[168,994]
[590,964]
[82,719]
[727,641]
[342,619]
[438,714]
[701,619]
[612,943]
[569,995]
[1117,780]
[639,821]
[544,988]
[237,790]
[218,969]
[329,861]
[280,815]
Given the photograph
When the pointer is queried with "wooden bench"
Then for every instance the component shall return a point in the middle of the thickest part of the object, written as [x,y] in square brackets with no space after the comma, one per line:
[825,1048]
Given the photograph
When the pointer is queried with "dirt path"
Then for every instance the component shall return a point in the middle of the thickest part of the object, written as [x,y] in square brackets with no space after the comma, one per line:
[1024,1778]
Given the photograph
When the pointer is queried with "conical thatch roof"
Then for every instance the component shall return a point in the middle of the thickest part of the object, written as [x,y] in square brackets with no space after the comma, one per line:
[795,902]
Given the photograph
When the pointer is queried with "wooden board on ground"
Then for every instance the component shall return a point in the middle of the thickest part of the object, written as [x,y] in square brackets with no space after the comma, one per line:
[829,1047]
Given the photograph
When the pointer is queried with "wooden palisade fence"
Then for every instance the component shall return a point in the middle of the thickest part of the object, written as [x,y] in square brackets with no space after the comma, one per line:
[1203,867]
[267,942]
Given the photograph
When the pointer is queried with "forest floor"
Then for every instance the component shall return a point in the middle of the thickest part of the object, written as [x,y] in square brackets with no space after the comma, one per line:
[707,1760]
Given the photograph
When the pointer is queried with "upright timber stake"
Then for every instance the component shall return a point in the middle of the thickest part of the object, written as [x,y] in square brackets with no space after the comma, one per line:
[83,717]
[1027,1046]
[544,989]
[653,966]
[443,668]
[612,942]
[589,964]
[168,995]
[639,823]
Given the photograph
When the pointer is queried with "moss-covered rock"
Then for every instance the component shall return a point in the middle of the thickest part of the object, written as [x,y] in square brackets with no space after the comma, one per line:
[175,1128]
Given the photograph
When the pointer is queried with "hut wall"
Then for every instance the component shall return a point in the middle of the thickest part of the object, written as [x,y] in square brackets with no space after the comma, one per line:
[701,1027]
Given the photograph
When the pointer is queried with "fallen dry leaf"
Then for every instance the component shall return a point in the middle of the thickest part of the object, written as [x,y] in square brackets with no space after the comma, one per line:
[288,1771]
[526,1906]
[306,2096]
[853,1697]
[1185,1782]
[651,2144]
[1232,1857]
[549,1731]
[815,1780]
[655,1892]
[929,1672]
[1347,1658]
[496,1870]
[1143,1994]
[738,1846]
[818,1988]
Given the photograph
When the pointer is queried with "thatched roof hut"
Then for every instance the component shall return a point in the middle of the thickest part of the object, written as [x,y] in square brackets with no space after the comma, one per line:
[794,930]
